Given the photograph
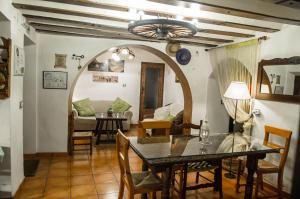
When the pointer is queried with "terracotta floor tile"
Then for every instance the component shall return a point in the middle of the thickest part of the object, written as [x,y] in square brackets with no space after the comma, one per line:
[58,192]
[41,173]
[60,165]
[83,190]
[86,197]
[104,178]
[32,193]
[109,196]
[82,180]
[81,171]
[107,188]
[58,181]
[34,183]
[59,172]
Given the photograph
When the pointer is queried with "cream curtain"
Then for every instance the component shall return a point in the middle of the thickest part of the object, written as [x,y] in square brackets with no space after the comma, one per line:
[237,62]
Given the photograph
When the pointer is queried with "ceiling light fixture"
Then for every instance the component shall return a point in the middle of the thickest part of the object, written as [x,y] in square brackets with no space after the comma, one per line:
[123,51]
[162,28]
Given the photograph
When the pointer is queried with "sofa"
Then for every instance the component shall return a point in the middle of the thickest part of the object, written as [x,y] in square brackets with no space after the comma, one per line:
[89,123]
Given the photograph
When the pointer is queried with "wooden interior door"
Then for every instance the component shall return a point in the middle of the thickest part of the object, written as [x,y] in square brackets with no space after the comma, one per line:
[151,88]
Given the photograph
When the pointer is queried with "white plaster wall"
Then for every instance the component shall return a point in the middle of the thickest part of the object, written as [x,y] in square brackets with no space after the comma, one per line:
[86,88]
[217,116]
[283,44]
[14,115]
[5,104]
[52,104]
[30,101]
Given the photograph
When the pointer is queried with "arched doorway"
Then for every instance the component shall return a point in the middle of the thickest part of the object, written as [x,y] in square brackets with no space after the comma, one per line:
[187,95]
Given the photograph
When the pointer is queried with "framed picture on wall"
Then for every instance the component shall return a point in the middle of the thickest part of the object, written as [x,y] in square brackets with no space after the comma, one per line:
[105,78]
[55,80]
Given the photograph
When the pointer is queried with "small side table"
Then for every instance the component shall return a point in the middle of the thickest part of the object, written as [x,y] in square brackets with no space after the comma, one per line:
[102,118]
[88,135]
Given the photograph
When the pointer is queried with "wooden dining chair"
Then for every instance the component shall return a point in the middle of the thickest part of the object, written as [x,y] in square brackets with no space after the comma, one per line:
[136,183]
[265,167]
[162,127]
[214,167]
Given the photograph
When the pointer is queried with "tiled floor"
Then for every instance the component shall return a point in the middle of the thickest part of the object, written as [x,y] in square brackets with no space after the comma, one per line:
[97,176]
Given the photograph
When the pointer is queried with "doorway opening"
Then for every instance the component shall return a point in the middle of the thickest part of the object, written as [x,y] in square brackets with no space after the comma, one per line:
[182,81]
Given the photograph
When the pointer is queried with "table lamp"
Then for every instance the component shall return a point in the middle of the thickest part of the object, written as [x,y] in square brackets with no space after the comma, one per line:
[236,91]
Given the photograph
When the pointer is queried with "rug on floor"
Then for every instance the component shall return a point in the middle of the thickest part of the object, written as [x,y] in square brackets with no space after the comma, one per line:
[30,167]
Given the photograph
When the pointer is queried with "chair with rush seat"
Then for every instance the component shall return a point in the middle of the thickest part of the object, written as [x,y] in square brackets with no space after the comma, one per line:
[265,167]
[136,183]
[198,167]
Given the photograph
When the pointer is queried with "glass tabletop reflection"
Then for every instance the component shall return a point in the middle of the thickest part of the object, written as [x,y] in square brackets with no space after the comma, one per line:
[179,149]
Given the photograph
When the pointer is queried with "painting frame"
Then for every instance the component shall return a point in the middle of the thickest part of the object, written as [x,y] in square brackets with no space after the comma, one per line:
[60,61]
[62,75]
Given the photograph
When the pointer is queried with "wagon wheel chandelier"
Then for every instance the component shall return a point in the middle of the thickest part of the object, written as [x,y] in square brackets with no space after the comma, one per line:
[162,28]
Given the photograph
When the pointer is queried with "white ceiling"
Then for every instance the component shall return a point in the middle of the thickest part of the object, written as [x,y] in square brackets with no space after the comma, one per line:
[104,18]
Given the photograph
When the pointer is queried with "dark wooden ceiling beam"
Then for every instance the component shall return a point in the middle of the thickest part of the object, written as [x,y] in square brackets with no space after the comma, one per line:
[99,16]
[31,19]
[101,34]
[72,23]
[167,14]
[210,7]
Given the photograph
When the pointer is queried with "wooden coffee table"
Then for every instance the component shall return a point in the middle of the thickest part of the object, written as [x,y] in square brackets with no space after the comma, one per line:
[103,118]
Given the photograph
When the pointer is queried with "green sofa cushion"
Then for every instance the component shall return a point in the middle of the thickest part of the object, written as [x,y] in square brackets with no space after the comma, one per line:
[84,107]
[120,105]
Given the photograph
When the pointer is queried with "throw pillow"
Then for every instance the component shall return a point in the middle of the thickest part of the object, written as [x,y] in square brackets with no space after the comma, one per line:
[119,105]
[84,107]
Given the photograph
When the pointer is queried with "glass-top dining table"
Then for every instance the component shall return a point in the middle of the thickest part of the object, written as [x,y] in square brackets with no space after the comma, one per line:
[166,151]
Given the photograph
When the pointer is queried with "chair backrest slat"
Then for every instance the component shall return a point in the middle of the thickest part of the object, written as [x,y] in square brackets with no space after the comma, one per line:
[286,134]
[190,125]
[123,158]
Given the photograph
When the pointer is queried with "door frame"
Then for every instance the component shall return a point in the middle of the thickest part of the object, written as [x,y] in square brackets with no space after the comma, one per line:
[144,65]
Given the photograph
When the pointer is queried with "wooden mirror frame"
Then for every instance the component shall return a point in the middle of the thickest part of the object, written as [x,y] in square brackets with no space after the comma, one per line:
[261,73]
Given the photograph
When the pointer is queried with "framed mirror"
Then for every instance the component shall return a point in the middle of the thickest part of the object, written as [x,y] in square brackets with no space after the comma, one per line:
[279,80]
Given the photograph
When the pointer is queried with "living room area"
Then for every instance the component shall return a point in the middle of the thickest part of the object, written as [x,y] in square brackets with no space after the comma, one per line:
[149,98]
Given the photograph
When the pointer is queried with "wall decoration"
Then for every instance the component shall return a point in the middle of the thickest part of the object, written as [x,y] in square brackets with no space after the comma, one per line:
[60,61]
[5,66]
[98,66]
[78,58]
[116,66]
[105,78]
[55,80]
[19,61]
[278,90]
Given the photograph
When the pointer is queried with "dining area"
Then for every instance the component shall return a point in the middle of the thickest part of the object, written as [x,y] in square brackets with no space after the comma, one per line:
[168,160]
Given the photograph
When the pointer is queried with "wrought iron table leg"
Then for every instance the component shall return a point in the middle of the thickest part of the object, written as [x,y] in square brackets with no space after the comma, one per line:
[99,129]
[144,168]
[251,164]
[166,177]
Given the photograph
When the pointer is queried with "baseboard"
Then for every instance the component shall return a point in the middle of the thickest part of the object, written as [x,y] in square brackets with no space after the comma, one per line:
[48,154]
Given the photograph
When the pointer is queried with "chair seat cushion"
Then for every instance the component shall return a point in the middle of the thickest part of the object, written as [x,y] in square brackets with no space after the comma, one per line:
[146,180]
[266,167]
[201,166]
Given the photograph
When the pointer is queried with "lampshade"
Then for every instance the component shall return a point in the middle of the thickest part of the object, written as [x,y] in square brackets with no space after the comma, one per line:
[238,91]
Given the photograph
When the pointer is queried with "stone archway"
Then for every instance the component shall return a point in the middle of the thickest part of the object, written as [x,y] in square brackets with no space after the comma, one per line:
[188,103]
